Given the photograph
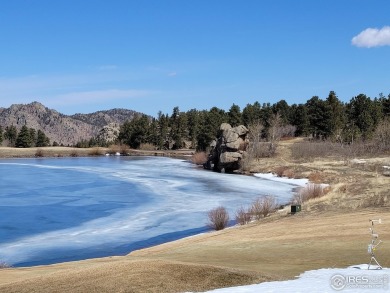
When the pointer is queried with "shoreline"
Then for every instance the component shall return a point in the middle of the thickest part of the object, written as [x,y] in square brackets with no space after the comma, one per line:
[59,152]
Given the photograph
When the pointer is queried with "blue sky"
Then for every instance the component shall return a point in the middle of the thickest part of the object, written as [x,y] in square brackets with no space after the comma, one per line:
[80,56]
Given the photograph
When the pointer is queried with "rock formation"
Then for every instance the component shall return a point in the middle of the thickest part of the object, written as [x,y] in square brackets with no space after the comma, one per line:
[228,149]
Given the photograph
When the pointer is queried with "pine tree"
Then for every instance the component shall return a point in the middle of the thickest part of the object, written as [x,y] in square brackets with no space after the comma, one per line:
[234,115]
[24,138]
[42,139]
[11,133]
[251,114]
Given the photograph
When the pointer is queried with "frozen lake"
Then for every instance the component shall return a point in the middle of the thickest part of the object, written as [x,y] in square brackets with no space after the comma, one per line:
[63,209]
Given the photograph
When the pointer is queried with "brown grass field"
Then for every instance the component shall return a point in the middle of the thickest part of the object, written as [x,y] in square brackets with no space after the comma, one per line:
[332,231]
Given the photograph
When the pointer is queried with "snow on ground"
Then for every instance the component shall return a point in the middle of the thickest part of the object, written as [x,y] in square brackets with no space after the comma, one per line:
[351,279]
[270,176]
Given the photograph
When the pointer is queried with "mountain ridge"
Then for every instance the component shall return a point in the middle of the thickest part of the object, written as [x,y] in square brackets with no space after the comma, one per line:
[61,128]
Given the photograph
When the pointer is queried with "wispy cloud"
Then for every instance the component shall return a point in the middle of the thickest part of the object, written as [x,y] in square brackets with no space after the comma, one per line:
[171,74]
[372,37]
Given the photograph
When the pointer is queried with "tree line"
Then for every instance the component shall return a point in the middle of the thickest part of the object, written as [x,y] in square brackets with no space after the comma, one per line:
[318,118]
[25,138]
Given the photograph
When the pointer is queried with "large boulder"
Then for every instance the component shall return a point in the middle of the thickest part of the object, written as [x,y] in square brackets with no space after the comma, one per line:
[228,149]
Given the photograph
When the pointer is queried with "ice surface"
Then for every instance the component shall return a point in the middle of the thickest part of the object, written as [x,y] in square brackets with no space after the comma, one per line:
[348,279]
[65,209]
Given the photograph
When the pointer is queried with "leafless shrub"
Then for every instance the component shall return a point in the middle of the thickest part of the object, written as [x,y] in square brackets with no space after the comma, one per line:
[39,153]
[199,158]
[382,136]
[124,149]
[310,191]
[95,152]
[147,147]
[243,216]
[218,218]
[263,206]
[4,265]
[287,131]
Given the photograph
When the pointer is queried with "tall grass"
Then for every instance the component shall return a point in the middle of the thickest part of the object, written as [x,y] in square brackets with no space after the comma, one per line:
[310,191]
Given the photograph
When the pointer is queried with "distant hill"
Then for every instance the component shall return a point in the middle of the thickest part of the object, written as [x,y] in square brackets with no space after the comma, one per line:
[64,129]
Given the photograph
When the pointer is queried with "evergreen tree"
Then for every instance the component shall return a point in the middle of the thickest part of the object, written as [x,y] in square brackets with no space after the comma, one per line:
[300,120]
[337,114]
[193,125]
[283,109]
[163,125]
[319,114]
[42,139]
[361,111]
[33,136]
[251,114]
[24,138]
[385,105]
[11,133]
[135,132]
[178,123]
[211,122]
[234,115]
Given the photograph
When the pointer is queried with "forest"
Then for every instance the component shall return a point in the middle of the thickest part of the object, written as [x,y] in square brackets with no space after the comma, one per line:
[330,119]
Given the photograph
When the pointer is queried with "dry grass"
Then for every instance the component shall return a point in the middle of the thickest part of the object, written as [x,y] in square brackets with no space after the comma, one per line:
[7,152]
[199,158]
[131,275]
[96,151]
[147,147]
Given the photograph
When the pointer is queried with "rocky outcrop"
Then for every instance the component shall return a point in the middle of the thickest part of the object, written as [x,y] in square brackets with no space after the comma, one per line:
[109,133]
[228,149]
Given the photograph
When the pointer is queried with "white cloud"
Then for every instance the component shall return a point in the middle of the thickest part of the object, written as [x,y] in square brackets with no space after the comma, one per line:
[171,74]
[372,37]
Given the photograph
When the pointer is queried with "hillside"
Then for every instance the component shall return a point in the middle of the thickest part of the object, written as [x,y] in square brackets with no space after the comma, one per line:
[64,129]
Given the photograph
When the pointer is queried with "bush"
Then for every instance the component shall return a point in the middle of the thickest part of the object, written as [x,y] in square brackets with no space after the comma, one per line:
[95,152]
[263,206]
[218,218]
[199,158]
[310,191]
[74,153]
[39,153]
[4,265]
[147,147]
[243,216]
